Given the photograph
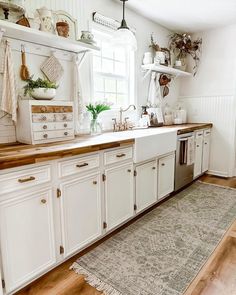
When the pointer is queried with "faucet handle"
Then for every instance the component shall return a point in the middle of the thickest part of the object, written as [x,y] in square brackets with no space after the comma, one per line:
[126,118]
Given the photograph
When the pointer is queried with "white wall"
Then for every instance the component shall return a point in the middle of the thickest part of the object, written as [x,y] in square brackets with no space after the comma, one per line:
[82,10]
[210,96]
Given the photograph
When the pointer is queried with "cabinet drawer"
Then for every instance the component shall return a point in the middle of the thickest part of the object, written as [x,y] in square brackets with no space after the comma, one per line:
[118,156]
[78,165]
[15,181]
[51,134]
[207,132]
[39,118]
[52,126]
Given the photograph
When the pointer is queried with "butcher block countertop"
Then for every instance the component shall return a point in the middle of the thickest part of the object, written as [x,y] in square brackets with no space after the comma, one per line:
[17,154]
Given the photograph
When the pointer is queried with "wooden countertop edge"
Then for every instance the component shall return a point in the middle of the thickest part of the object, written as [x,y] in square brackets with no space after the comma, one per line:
[40,154]
[20,160]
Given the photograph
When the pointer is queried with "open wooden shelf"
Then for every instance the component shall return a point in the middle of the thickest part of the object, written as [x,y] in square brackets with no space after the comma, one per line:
[38,37]
[166,70]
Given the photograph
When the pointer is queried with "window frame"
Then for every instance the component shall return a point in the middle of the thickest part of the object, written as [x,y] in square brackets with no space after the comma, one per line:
[129,77]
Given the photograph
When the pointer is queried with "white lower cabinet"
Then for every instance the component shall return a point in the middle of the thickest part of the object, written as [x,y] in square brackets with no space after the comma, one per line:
[81,212]
[146,185]
[27,237]
[119,196]
[206,151]
[166,170]
[198,155]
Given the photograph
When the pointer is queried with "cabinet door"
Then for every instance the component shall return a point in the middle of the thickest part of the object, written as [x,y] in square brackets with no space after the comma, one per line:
[81,212]
[27,237]
[119,197]
[206,152]
[166,168]
[146,185]
[198,156]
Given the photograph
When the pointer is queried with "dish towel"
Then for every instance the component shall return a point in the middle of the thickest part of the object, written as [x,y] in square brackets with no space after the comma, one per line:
[154,94]
[78,97]
[9,92]
[190,151]
[183,151]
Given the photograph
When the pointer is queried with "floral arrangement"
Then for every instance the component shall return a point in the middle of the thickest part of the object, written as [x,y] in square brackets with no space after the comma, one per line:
[97,108]
[182,45]
[39,83]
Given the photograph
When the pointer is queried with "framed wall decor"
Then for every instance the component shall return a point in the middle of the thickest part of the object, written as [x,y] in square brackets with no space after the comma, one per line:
[63,16]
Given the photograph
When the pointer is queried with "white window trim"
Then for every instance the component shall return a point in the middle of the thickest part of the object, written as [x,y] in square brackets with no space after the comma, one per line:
[131,77]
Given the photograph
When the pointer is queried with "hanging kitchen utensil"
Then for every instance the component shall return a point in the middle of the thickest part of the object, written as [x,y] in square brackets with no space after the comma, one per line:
[165,91]
[24,72]
[164,80]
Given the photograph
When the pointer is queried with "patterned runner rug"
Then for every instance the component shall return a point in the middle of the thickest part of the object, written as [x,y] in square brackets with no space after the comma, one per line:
[161,253]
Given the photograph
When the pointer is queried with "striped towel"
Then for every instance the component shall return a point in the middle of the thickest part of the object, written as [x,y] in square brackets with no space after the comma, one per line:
[9,92]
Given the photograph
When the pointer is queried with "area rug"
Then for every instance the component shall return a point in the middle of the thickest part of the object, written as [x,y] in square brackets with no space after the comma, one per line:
[161,253]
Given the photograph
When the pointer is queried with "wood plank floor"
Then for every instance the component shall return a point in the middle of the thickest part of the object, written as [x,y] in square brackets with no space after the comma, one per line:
[218,277]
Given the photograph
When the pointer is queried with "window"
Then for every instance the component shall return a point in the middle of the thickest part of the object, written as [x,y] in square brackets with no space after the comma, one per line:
[112,74]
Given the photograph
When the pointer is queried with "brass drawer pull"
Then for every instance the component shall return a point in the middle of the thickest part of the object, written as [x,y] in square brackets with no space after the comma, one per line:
[153,168]
[65,125]
[82,165]
[129,170]
[43,201]
[23,180]
[45,127]
[163,164]
[120,155]
[66,133]
[95,182]
[45,136]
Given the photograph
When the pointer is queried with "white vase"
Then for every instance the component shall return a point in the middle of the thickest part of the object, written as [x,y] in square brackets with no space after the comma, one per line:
[43,93]
[147,59]
[160,57]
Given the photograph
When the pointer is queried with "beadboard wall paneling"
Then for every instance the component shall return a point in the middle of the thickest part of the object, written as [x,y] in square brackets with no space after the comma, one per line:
[219,110]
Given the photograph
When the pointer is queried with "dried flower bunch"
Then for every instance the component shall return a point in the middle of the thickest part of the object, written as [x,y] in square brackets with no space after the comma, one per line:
[154,44]
[182,46]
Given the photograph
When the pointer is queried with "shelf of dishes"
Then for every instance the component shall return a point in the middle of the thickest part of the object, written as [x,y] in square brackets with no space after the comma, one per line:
[26,34]
[165,70]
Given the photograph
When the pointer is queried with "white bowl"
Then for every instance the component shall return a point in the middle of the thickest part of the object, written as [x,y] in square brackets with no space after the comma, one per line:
[44,93]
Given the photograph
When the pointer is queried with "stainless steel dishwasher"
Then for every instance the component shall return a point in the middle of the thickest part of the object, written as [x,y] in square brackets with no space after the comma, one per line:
[183,171]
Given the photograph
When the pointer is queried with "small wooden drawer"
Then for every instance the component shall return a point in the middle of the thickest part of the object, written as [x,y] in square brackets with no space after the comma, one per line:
[117,156]
[64,117]
[23,179]
[39,118]
[52,126]
[207,132]
[78,165]
[52,134]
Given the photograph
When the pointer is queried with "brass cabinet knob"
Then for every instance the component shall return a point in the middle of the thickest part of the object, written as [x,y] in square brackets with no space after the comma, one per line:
[65,125]
[44,118]
[163,164]
[45,136]
[129,170]
[153,168]
[95,182]
[45,127]
[43,201]
[66,133]
[43,109]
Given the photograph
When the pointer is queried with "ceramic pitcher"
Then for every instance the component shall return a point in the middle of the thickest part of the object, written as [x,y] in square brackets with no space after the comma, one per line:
[46,19]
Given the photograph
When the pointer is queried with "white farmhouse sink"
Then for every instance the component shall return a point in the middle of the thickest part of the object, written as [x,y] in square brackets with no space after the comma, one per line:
[150,143]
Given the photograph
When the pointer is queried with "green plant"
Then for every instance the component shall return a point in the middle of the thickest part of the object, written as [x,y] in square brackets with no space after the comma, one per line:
[97,108]
[39,83]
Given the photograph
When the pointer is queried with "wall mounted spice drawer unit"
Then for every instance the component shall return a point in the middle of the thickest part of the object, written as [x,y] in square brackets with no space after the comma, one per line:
[24,179]
[78,165]
[118,156]
[45,122]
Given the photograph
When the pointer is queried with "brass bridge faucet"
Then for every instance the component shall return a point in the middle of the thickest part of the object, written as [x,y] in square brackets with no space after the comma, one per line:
[121,126]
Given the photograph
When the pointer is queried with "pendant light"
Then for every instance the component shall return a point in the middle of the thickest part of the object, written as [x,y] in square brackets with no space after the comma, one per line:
[124,37]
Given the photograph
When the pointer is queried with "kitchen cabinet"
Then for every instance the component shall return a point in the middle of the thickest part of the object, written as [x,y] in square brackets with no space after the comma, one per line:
[27,237]
[166,175]
[206,150]
[198,154]
[119,194]
[81,211]
[146,185]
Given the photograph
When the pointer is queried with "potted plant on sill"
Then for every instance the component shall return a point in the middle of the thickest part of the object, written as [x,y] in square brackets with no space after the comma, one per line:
[40,89]
[95,110]
[182,46]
